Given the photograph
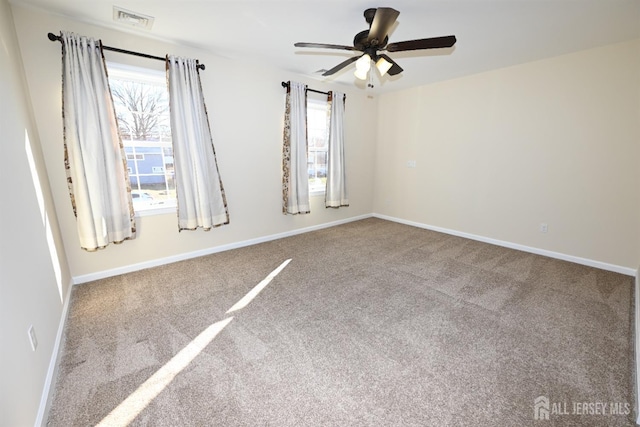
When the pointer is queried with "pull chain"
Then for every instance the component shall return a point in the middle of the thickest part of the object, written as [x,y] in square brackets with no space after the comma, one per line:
[370,82]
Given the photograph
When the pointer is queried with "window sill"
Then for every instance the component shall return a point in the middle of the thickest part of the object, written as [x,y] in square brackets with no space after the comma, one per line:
[317,193]
[156,211]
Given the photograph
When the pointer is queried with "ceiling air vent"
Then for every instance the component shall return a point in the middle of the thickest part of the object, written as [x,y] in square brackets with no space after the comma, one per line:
[133,19]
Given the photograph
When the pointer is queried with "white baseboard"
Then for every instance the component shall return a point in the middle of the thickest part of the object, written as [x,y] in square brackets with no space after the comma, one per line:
[181,257]
[45,398]
[584,261]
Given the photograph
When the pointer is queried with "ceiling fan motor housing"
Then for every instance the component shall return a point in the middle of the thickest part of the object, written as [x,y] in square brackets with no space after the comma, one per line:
[360,41]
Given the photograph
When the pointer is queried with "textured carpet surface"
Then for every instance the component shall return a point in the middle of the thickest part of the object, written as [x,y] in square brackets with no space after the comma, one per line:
[371,323]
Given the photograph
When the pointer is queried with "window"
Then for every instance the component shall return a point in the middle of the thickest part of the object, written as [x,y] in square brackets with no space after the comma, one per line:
[141,102]
[318,135]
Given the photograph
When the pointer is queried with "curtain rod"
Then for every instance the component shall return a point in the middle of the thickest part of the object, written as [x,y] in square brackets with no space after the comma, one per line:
[285,84]
[54,38]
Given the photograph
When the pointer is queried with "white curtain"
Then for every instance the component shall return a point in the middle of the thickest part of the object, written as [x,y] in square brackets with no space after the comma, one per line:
[94,155]
[200,194]
[336,190]
[295,179]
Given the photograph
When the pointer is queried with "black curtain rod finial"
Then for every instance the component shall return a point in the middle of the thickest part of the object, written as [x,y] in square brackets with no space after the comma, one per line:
[53,37]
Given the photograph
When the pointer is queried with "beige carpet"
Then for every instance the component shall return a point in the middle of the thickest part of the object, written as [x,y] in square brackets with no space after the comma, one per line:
[371,323]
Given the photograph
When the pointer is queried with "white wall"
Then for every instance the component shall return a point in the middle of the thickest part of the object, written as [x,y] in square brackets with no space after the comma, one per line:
[32,289]
[245,104]
[555,141]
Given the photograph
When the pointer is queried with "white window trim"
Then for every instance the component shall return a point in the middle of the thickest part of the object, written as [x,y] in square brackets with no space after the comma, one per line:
[156,211]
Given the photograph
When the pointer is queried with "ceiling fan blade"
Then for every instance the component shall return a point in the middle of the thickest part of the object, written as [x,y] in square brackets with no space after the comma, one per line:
[395,68]
[341,65]
[431,43]
[324,46]
[382,23]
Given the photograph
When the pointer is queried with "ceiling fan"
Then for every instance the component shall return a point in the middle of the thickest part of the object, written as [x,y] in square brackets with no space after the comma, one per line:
[375,39]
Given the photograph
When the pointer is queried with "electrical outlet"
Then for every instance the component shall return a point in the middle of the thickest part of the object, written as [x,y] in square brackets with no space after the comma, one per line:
[544,227]
[411,163]
[32,338]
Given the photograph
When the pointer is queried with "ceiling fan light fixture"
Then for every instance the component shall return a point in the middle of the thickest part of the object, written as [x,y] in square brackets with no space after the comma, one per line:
[383,66]
[363,63]
[361,74]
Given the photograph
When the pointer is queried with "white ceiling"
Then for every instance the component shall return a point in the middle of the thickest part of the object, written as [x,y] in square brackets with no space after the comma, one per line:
[491,34]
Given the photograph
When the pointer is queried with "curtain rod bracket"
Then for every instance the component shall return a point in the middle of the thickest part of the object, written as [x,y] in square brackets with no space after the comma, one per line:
[54,38]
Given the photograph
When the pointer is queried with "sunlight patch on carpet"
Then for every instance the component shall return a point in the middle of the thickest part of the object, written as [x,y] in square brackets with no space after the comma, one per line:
[129,409]
[137,401]
[256,290]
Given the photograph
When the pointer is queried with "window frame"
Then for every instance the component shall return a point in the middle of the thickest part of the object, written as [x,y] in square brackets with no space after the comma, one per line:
[143,75]
[318,102]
